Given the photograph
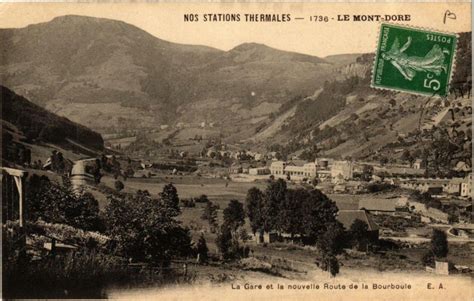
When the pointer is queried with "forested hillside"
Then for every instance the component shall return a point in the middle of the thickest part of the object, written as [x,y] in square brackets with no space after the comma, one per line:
[39,124]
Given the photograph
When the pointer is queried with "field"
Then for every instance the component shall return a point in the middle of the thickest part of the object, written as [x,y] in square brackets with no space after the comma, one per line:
[217,190]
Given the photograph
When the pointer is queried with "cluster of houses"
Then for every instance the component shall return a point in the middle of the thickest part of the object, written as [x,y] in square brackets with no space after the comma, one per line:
[342,174]
[437,186]
[322,169]
[297,170]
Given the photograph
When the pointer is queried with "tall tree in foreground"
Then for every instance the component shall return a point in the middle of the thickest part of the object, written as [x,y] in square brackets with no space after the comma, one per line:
[359,234]
[291,211]
[438,248]
[439,244]
[317,214]
[274,196]
[202,249]
[330,244]
[169,198]
[210,214]
[224,241]
[234,215]
[254,208]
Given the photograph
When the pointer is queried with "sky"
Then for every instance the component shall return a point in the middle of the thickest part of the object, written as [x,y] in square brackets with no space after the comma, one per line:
[166,21]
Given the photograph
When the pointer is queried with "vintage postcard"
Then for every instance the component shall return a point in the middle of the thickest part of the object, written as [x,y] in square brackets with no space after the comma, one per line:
[237,151]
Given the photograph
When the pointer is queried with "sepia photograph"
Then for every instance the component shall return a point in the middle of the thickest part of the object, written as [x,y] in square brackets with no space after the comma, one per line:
[230,151]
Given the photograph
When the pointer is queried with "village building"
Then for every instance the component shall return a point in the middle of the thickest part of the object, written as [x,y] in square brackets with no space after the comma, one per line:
[323,175]
[258,157]
[277,168]
[396,171]
[323,163]
[258,171]
[462,166]
[419,164]
[235,169]
[431,185]
[466,186]
[454,186]
[296,170]
[341,170]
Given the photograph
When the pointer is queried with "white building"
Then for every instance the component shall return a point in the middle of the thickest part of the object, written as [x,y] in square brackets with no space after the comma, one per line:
[418,164]
[342,170]
[282,169]
[466,186]
[277,168]
[259,171]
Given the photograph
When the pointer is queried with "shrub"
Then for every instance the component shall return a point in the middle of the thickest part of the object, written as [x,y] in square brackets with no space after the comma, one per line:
[55,203]
[144,229]
[188,203]
[119,185]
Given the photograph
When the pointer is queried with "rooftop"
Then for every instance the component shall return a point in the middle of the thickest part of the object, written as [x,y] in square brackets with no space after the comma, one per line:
[347,218]
[376,204]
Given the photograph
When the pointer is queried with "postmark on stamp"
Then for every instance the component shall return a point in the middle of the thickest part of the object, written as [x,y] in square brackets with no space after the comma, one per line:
[414,60]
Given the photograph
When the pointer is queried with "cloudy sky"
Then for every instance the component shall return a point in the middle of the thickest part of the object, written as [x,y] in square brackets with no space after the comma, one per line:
[166,21]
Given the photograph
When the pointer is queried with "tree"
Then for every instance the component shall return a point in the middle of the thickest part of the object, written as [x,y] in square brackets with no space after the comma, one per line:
[57,203]
[224,241]
[144,229]
[169,198]
[318,212]
[358,232]
[234,215]
[406,156]
[439,244]
[330,244]
[118,185]
[290,212]
[202,249]
[210,214]
[254,208]
[202,199]
[274,196]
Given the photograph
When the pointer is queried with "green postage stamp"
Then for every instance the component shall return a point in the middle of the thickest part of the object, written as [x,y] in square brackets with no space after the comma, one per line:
[414,60]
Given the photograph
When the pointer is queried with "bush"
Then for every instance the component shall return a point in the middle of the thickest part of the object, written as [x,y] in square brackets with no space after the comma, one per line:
[119,185]
[439,244]
[144,229]
[201,249]
[428,259]
[55,203]
[188,203]
[202,199]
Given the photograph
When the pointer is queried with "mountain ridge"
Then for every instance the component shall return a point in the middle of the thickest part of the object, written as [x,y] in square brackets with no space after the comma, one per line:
[76,61]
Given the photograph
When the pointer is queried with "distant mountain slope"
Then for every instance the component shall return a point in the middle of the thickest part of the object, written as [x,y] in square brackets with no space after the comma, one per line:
[42,126]
[350,119]
[77,65]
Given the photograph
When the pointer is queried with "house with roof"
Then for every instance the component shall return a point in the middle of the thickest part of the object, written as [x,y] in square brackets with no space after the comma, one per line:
[341,170]
[348,217]
[277,168]
[419,164]
[377,205]
[296,170]
[454,186]
[258,171]
[466,186]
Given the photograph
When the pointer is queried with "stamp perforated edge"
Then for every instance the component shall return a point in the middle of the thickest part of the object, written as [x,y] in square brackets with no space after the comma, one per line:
[453,63]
